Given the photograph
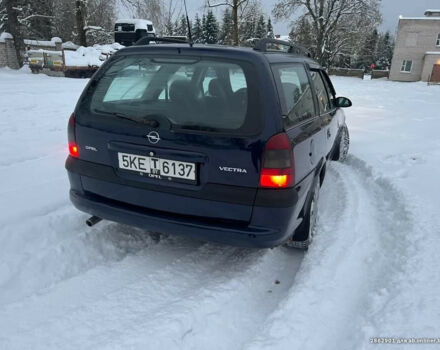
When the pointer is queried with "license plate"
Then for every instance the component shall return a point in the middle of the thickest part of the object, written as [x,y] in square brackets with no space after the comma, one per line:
[157,167]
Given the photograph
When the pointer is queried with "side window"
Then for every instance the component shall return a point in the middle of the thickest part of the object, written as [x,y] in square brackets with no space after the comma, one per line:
[296,92]
[329,87]
[437,43]
[321,93]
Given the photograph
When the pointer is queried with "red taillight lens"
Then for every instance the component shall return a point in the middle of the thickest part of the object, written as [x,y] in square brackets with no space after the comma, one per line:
[73,150]
[73,147]
[278,166]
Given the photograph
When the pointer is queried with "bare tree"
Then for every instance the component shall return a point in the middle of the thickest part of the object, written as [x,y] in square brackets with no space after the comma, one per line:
[80,13]
[235,6]
[13,27]
[327,17]
[160,12]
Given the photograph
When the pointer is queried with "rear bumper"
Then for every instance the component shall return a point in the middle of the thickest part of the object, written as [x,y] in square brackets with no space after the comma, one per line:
[237,235]
[213,214]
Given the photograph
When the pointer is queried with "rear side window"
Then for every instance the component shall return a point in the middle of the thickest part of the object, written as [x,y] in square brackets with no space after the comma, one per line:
[329,87]
[295,92]
[194,94]
[324,101]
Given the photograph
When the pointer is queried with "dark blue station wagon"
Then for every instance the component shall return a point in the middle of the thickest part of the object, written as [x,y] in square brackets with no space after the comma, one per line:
[218,143]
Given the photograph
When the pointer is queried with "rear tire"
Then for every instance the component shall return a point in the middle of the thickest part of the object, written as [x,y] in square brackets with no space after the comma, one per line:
[343,144]
[303,235]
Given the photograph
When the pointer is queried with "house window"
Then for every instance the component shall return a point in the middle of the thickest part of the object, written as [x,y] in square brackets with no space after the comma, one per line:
[438,40]
[406,66]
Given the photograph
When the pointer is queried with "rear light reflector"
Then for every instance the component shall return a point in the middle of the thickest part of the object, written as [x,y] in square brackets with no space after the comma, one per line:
[278,166]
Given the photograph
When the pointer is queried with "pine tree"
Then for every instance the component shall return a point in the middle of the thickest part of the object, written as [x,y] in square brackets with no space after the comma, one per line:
[301,33]
[269,29]
[247,29]
[368,52]
[203,37]
[210,29]
[169,27]
[197,30]
[226,32]
[385,48]
[260,29]
[238,8]
[182,27]
[176,27]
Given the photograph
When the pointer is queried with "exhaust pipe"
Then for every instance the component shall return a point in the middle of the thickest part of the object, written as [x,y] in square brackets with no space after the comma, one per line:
[93,220]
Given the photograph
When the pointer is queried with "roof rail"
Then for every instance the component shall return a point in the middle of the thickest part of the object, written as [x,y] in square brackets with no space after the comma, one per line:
[147,39]
[261,45]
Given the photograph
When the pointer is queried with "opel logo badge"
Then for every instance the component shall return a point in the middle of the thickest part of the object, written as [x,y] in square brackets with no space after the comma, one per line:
[153,137]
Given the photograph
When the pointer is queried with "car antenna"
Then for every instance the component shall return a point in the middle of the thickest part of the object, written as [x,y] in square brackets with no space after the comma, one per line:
[190,40]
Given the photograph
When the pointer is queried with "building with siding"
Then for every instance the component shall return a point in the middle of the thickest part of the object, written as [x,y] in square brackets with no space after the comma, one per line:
[417,50]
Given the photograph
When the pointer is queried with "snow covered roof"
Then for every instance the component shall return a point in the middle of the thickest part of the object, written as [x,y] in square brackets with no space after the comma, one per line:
[69,45]
[51,43]
[424,18]
[90,56]
[284,37]
[44,51]
[4,36]
[138,23]
[431,12]
[432,53]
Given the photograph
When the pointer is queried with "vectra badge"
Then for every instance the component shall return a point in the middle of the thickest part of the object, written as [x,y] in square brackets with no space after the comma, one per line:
[232,170]
[153,137]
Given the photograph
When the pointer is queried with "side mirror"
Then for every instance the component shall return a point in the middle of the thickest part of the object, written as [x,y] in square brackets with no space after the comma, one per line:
[342,102]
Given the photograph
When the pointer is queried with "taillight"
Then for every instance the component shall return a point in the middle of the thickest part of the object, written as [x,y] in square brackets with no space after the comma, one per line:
[71,137]
[73,150]
[278,167]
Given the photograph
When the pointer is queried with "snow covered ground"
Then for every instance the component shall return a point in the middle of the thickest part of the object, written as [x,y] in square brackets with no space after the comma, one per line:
[371,272]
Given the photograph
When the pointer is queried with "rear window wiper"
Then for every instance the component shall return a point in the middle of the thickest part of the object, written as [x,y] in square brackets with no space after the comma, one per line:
[116,114]
[142,120]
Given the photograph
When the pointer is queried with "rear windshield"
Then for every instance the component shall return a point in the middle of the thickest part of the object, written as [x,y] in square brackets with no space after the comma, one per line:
[191,93]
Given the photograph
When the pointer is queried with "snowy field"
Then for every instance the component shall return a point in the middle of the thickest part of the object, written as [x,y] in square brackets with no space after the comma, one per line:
[373,270]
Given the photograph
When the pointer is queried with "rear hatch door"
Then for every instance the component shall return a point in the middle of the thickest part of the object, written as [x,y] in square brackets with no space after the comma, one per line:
[188,129]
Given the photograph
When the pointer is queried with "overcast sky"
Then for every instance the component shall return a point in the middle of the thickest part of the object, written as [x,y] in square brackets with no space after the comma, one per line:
[391,9]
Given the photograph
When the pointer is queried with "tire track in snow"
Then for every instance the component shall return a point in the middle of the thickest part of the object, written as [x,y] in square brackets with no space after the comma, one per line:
[403,301]
[229,307]
[362,240]
[128,306]
[62,239]
[93,285]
